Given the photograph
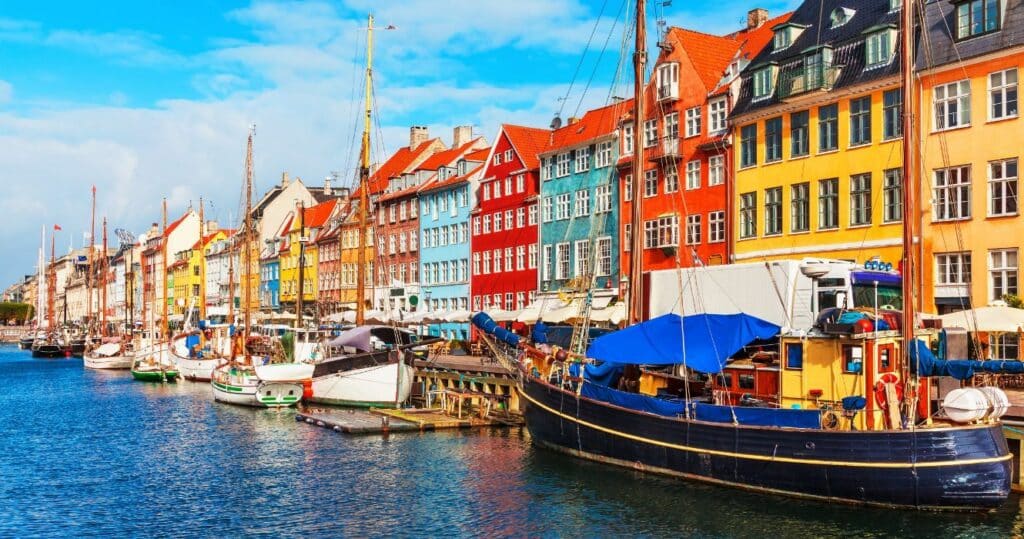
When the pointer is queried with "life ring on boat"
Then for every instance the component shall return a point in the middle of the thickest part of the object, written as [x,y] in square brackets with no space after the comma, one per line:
[879,389]
[829,420]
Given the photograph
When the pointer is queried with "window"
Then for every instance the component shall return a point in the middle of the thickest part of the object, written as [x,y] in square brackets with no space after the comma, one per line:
[604,256]
[508,186]
[672,126]
[520,300]
[976,17]
[764,82]
[773,211]
[497,221]
[892,195]
[496,260]
[463,229]
[661,232]
[497,189]
[952,105]
[828,204]
[562,260]
[487,191]
[693,231]
[582,203]
[800,207]
[532,256]
[545,169]
[692,122]
[602,198]
[531,214]
[878,48]
[671,180]
[716,115]
[772,140]
[582,258]
[520,185]
[627,189]
[476,263]
[1002,187]
[604,154]
[583,159]
[520,217]
[716,170]
[860,121]
[627,139]
[546,269]
[627,237]
[853,358]
[953,269]
[508,156]
[650,133]
[892,114]
[508,219]
[508,259]
[860,199]
[562,206]
[1005,346]
[952,194]
[487,224]
[668,81]
[562,165]
[748,145]
[782,39]
[508,301]
[497,158]
[799,144]
[444,202]
[748,215]
[650,183]
[549,209]
[716,227]
[402,209]
[1002,94]
[391,213]
[828,127]
[794,355]
[1002,273]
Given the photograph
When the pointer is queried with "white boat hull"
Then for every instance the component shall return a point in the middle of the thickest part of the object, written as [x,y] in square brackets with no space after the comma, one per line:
[196,370]
[107,362]
[386,385]
[243,387]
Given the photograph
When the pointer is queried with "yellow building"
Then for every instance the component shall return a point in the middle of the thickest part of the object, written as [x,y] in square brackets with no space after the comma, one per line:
[186,275]
[302,231]
[971,136]
[818,142]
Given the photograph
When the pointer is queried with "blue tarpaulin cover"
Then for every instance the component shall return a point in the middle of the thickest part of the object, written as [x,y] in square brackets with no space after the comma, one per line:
[710,340]
[633,401]
[761,417]
[924,363]
[605,374]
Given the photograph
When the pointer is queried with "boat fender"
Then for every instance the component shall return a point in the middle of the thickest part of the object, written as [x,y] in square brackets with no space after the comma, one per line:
[879,389]
[829,420]
[307,389]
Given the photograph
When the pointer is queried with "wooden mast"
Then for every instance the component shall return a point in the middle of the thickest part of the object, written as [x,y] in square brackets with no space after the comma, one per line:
[299,307]
[364,182]
[636,292]
[163,249]
[51,282]
[89,263]
[202,261]
[247,257]
[103,283]
[909,200]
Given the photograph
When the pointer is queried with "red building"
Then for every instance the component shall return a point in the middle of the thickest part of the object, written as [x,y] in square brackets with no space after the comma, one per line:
[687,149]
[509,187]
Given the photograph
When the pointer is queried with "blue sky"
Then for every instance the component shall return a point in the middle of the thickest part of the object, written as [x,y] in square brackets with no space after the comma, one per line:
[151,99]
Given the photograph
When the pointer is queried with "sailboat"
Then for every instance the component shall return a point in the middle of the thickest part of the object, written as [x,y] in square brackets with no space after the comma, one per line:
[878,445]
[107,353]
[366,378]
[50,344]
[240,380]
[151,361]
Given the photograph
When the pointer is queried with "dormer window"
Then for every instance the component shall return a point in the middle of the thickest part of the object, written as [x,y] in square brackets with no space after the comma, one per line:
[878,45]
[895,5]
[462,167]
[668,81]
[841,15]
[785,35]
[976,17]
[764,82]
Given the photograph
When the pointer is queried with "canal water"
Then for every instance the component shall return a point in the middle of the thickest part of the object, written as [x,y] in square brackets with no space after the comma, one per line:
[87,453]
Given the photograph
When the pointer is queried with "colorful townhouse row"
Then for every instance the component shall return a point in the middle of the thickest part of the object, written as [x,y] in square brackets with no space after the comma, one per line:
[781,140]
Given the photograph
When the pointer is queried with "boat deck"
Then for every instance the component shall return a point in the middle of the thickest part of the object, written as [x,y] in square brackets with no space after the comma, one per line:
[383,421]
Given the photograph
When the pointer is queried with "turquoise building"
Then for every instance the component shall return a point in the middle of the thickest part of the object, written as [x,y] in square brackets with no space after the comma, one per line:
[270,284]
[445,205]
[579,205]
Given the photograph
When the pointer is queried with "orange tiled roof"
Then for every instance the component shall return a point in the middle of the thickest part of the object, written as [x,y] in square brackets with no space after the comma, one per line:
[316,216]
[209,237]
[593,124]
[396,164]
[528,142]
[452,180]
[442,158]
[172,226]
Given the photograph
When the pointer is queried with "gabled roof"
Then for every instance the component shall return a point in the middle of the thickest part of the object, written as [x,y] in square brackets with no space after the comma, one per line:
[455,180]
[396,165]
[316,216]
[439,159]
[209,237]
[178,221]
[528,142]
[594,124]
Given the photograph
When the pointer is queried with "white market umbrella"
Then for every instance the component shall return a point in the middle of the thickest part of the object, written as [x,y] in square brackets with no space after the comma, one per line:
[458,316]
[992,319]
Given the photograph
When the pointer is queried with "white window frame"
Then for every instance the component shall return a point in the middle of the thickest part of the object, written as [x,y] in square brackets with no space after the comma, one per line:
[693,229]
[581,255]
[583,159]
[1002,88]
[1003,187]
[693,174]
[952,97]
[693,122]
[603,157]
[951,194]
[602,198]
[562,206]
[650,133]
[651,183]
[581,205]
[562,164]
[1003,264]
[716,170]
[603,246]
[716,227]
[562,265]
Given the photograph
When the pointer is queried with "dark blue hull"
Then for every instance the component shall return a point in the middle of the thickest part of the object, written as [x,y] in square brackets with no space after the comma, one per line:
[964,468]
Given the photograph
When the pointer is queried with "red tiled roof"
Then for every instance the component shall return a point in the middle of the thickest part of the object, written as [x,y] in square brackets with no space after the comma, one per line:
[595,123]
[478,155]
[443,158]
[453,180]
[528,142]
[172,226]
[209,237]
[316,216]
[396,164]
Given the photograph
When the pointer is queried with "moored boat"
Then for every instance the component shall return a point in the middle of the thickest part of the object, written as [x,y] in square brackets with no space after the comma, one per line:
[266,386]
[153,365]
[107,356]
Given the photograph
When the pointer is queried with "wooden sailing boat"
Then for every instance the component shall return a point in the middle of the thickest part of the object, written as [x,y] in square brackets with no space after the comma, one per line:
[240,380]
[50,344]
[834,450]
[366,378]
[151,363]
[106,355]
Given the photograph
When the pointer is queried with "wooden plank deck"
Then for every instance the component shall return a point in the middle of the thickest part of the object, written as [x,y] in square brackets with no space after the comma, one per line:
[381,421]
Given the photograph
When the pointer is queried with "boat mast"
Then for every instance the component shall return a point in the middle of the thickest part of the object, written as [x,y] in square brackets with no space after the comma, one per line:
[302,264]
[636,292]
[364,182]
[41,272]
[163,249]
[89,260]
[103,283]
[51,282]
[248,251]
[202,261]
[909,213]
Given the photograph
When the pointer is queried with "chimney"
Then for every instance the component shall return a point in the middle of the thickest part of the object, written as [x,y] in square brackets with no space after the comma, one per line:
[572,120]
[418,134]
[756,17]
[462,135]
[284,179]
[327,186]
[344,193]
[212,227]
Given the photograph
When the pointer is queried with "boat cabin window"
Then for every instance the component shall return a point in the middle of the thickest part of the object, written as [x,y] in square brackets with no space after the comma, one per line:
[885,358]
[724,380]
[746,381]
[889,297]
[831,298]
[794,355]
[853,359]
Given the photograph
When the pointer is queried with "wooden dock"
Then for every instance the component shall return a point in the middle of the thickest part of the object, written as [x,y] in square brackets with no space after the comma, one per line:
[384,421]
